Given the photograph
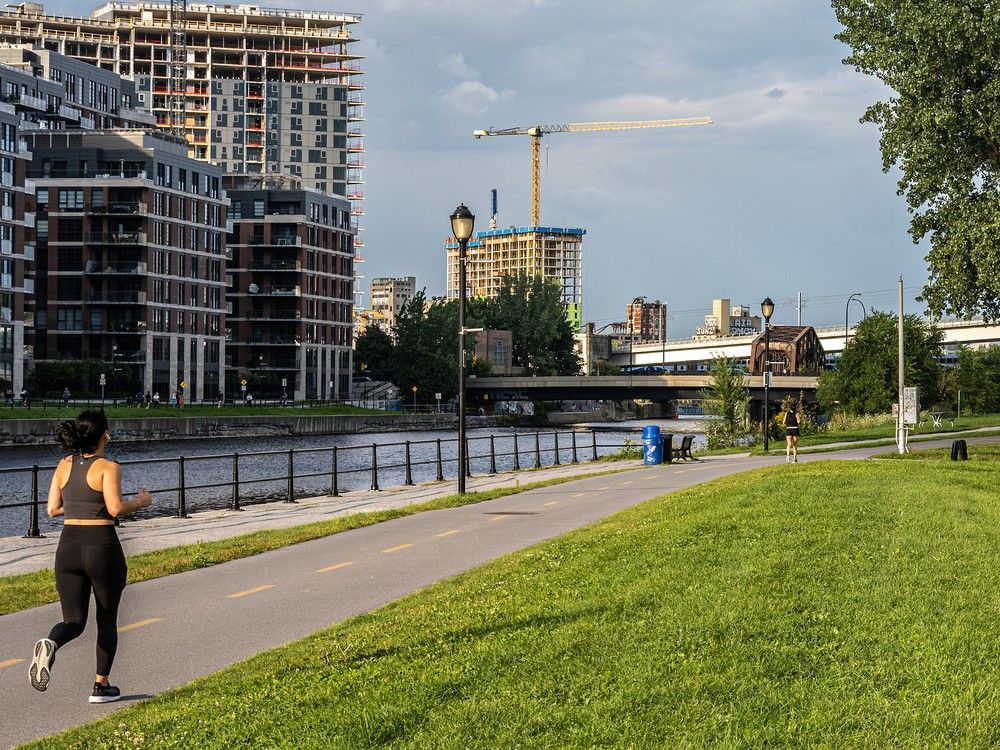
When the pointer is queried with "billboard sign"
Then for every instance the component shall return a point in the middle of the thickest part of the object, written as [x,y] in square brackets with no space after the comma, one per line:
[911,406]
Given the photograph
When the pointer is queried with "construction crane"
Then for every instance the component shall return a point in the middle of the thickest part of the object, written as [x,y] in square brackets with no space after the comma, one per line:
[537,131]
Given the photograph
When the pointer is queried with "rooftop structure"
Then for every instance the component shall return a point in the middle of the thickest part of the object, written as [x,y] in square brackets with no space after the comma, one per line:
[554,253]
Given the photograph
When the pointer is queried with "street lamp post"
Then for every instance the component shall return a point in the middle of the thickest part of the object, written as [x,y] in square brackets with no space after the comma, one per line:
[462,223]
[847,311]
[767,310]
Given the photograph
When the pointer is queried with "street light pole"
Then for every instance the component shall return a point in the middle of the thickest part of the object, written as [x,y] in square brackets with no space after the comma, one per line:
[847,311]
[462,223]
[767,310]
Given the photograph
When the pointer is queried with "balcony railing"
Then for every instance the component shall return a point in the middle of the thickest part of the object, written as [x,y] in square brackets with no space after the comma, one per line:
[95,266]
[111,326]
[288,241]
[274,291]
[117,238]
[117,298]
[121,209]
[275,266]
[270,315]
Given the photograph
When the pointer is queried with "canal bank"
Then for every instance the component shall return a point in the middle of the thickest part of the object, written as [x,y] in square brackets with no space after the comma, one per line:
[139,429]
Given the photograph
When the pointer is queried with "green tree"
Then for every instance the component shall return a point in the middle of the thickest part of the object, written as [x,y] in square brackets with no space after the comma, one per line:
[978,379]
[728,399]
[373,352]
[865,381]
[531,309]
[939,127]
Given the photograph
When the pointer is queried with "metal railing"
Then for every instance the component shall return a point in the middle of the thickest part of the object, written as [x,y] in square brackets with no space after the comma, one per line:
[231,490]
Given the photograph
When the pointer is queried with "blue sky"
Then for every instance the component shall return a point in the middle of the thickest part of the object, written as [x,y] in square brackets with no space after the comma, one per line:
[783,194]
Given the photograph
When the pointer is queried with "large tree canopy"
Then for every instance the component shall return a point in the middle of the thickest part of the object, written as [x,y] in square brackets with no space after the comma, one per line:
[865,381]
[941,127]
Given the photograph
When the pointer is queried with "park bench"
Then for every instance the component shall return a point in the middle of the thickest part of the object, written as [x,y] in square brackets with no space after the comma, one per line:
[684,449]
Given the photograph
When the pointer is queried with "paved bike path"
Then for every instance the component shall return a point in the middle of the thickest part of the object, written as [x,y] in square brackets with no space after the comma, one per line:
[180,627]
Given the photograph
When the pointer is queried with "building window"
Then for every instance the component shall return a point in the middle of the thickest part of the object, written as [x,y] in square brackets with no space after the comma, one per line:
[70,200]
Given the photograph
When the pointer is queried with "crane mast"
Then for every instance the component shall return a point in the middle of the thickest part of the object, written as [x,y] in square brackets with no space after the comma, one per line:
[537,131]
[178,68]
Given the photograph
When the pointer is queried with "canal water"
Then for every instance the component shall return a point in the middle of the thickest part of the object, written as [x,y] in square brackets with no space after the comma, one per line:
[263,463]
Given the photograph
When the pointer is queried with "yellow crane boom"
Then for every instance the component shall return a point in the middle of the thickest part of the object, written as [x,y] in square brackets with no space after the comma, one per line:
[537,131]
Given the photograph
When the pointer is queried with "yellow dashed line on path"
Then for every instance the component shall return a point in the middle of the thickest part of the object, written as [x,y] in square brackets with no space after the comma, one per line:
[140,624]
[338,566]
[554,502]
[579,494]
[448,533]
[238,594]
[396,549]
[602,489]
[652,476]
[498,518]
[628,482]
[11,662]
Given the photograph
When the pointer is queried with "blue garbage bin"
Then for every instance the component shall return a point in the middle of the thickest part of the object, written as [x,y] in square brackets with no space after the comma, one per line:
[652,445]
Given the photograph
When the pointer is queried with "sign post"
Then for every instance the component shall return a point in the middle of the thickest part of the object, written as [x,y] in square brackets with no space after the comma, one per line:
[414,399]
[104,382]
[437,397]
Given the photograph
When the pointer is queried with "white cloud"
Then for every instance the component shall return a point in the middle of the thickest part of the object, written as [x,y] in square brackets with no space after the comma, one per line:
[455,65]
[474,97]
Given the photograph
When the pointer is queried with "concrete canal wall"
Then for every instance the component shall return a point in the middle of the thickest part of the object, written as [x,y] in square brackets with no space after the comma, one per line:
[41,431]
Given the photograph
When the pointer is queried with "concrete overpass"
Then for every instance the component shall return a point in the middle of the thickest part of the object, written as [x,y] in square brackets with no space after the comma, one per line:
[973,333]
[624,388]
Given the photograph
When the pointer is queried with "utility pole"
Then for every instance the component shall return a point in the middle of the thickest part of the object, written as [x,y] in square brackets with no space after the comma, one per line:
[799,316]
[900,415]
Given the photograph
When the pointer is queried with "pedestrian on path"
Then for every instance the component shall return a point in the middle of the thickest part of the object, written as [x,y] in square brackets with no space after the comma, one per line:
[791,423]
[86,490]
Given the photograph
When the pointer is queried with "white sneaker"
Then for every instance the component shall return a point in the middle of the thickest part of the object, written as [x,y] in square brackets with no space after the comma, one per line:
[44,657]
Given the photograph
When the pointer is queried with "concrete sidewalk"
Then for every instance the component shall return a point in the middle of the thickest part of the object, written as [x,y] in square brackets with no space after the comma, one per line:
[19,555]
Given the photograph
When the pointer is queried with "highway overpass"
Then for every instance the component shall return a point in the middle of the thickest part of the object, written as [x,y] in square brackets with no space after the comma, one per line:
[974,333]
[624,388]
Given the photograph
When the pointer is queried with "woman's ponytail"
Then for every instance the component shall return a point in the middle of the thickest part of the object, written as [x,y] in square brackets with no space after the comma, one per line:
[83,434]
[66,436]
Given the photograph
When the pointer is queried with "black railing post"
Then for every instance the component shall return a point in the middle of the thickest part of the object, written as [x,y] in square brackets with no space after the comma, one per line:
[493,456]
[593,441]
[236,482]
[409,470]
[440,467]
[573,435]
[181,490]
[375,486]
[517,456]
[468,459]
[33,532]
[290,498]
[555,436]
[334,490]
[538,453]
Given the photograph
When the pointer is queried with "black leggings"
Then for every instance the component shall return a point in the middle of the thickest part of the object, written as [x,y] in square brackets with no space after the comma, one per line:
[90,558]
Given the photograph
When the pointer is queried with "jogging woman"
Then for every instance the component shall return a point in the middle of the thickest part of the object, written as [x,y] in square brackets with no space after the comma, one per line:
[791,422]
[86,489]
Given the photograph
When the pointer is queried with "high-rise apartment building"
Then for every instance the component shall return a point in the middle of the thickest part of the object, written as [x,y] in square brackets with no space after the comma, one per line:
[388,298]
[532,251]
[17,253]
[129,260]
[646,321]
[271,93]
[289,299]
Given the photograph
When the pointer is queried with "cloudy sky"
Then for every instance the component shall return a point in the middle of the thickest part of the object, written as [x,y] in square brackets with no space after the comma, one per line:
[783,194]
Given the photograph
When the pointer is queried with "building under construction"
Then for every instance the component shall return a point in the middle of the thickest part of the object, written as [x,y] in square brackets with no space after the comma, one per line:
[553,253]
[257,91]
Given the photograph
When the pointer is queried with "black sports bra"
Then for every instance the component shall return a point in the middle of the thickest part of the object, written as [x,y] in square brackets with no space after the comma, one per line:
[80,500]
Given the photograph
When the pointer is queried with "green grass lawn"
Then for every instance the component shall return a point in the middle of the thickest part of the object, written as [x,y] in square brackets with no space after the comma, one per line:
[198,410]
[833,605]
[987,452]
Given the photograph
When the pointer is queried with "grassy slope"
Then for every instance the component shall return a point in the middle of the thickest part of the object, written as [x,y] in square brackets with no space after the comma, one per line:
[823,605]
